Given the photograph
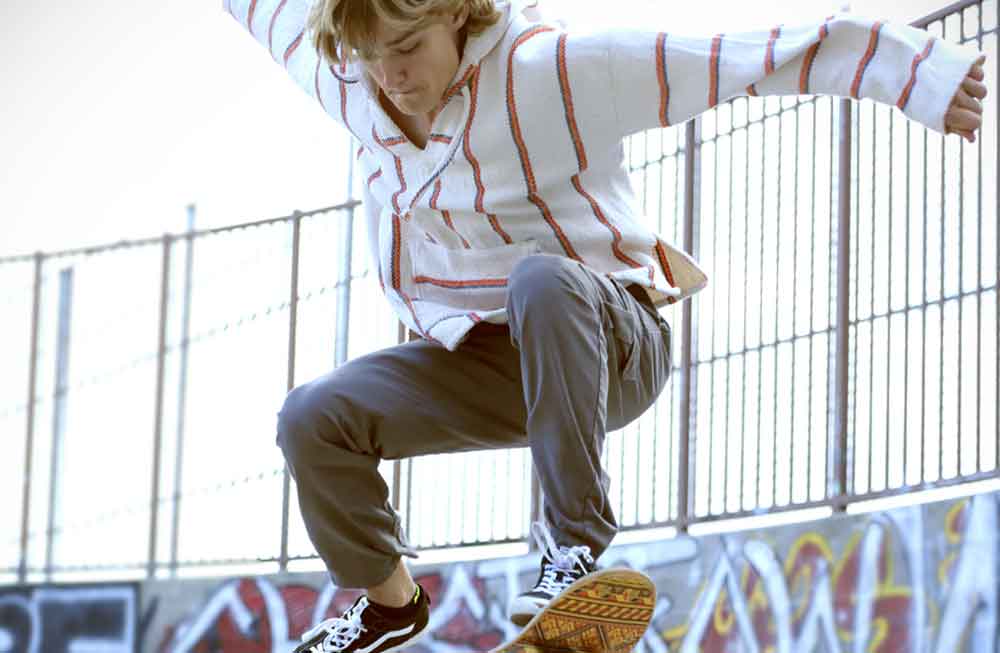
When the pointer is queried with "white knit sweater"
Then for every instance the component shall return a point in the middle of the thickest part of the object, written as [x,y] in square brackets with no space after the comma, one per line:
[526,155]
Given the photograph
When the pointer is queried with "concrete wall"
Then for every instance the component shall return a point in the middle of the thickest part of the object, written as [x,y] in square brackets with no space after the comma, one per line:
[915,579]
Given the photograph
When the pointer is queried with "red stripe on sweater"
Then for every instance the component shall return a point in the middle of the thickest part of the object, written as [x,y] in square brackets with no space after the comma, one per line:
[567,98]
[661,77]
[865,60]
[769,57]
[661,254]
[375,175]
[476,172]
[713,72]
[807,62]
[396,282]
[270,29]
[462,283]
[445,214]
[319,95]
[457,86]
[253,10]
[292,48]
[904,97]
[522,149]
[581,154]
[399,171]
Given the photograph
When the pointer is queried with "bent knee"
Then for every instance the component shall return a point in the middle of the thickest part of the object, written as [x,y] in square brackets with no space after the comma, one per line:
[541,275]
[307,422]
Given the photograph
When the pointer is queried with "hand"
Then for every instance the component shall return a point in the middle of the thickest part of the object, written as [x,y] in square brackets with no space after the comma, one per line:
[964,115]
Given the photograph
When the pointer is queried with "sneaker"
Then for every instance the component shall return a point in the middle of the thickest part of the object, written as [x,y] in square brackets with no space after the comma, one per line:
[363,629]
[561,567]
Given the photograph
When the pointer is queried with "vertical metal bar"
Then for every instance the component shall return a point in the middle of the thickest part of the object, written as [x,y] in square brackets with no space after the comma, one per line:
[961,274]
[812,304]
[346,266]
[59,412]
[941,338]
[746,299]
[871,301]
[841,459]
[996,303]
[729,319]
[856,289]
[760,311]
[906,308]
[161,367]
[923,336]
[888,318]
[979,274]
[536,497]
[397,468]
[689,373]
[794,304]
[293,318]
[710,372]
[777,314]
[185,346]
[29,436]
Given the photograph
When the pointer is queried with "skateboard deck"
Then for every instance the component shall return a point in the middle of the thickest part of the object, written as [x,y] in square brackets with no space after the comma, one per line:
[607,611]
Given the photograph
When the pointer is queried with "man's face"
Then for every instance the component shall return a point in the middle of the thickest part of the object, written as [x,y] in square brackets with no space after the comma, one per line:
[413,69]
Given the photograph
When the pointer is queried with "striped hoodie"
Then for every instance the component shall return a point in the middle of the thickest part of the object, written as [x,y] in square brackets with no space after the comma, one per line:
[527,153]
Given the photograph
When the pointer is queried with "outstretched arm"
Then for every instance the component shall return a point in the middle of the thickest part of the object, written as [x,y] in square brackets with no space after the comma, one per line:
[658,79]
[281,28]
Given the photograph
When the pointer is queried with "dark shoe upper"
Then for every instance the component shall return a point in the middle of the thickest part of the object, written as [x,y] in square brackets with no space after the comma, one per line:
[365,629]
[560,567]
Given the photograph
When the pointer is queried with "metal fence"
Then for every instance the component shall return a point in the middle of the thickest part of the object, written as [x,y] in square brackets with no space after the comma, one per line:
[846,349]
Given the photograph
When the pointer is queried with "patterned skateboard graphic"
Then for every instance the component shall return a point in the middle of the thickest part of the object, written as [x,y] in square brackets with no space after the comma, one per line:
[607,611]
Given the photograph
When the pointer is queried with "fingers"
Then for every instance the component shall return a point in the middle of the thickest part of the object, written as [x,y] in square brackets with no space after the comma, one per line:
[964,100]
[962,119]
[974,87]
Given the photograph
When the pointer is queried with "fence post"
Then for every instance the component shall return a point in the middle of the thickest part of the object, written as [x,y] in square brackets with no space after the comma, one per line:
[59,411]
[346,264]
[29,438]
[688,370]
[841,454]
[161,359]
[182,390]
[293,310]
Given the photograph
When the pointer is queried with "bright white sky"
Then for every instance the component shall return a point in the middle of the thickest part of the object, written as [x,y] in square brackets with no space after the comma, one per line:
[117,114]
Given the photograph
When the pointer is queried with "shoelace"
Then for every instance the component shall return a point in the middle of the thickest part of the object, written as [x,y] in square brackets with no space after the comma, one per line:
[563,560]
[341,631]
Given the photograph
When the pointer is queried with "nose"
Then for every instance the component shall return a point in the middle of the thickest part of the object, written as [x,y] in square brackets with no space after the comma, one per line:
[392,73]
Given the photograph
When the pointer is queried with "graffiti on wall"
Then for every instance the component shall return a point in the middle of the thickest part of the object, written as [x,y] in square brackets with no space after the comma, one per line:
[69,619]
[883,587]
[916,579]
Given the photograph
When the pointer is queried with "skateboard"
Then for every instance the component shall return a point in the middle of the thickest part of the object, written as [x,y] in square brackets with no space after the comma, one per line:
[607,611]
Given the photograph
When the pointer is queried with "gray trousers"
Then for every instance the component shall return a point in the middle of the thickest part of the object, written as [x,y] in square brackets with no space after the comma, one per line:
[581,355]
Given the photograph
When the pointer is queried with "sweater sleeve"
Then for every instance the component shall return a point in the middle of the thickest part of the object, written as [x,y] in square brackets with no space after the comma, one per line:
[280,27]
[659,79]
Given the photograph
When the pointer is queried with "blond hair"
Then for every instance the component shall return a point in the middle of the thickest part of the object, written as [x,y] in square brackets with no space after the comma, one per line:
[345,29]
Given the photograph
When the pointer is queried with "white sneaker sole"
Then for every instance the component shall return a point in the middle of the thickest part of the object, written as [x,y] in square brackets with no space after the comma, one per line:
[524,608]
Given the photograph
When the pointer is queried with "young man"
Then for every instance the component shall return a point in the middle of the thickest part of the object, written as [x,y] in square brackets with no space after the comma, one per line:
[505,233]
